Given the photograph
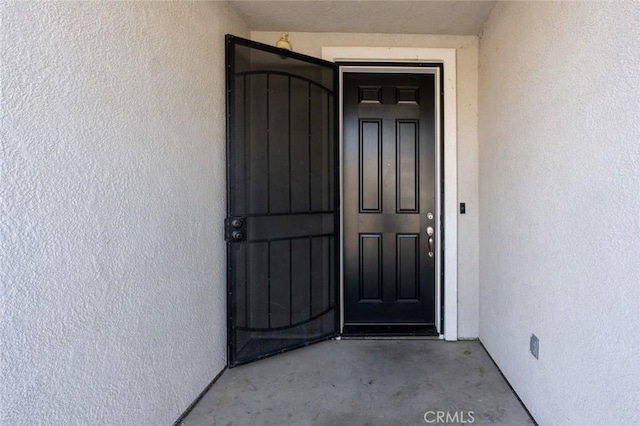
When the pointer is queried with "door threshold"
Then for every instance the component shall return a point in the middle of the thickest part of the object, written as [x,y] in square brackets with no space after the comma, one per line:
[352,337]
[390,330]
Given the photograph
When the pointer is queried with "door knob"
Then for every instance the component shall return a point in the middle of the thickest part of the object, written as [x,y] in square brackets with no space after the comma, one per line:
[430,232]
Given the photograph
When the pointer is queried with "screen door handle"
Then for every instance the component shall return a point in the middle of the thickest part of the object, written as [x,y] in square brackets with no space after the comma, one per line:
[430,232]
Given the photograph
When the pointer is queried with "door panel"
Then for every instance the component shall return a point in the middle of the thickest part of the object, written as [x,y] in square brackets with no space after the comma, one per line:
[389,163]
[282,221]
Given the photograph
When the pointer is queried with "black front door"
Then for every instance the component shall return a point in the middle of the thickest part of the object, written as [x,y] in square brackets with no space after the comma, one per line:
[389,203]
[282,224]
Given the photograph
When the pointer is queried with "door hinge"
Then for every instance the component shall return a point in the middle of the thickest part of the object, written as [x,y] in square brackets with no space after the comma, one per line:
[235,229]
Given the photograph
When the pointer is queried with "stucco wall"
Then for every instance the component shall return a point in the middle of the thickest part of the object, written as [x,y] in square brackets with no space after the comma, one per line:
[467,85]
[559,206]
[112,201]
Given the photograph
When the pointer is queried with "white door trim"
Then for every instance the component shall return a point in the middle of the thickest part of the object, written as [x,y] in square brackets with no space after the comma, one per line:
[448,58]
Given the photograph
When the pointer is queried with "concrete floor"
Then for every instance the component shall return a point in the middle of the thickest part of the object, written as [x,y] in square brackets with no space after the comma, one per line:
[364,382]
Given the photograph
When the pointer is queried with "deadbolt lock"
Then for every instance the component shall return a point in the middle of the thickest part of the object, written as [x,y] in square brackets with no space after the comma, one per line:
[235,229]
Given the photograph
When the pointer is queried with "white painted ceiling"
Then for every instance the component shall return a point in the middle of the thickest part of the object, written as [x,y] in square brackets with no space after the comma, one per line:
[366,16]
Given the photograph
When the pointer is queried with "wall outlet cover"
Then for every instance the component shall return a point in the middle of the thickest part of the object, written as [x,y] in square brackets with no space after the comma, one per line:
[534,346]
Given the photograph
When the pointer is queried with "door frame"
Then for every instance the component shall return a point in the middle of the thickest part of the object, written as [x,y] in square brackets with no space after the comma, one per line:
[446,160]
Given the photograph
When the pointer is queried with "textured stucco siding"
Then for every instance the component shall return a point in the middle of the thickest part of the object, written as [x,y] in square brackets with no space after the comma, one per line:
[112,200]
[560,206]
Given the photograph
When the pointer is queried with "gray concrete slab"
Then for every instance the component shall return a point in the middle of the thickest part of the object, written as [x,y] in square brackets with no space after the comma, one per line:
[364,382]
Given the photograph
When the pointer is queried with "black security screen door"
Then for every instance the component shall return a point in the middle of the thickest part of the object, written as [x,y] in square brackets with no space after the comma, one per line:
[282,224]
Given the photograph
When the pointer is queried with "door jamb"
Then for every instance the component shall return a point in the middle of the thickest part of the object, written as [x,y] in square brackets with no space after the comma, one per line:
[449,155]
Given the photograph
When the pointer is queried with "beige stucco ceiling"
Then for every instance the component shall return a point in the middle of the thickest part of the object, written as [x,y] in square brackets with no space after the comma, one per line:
[366,16]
